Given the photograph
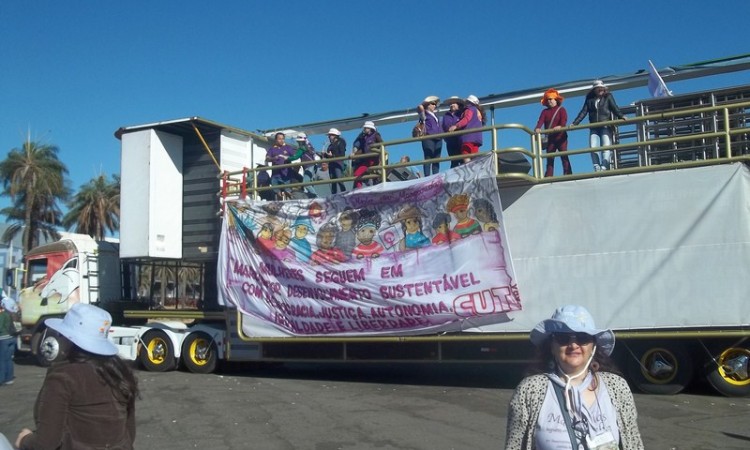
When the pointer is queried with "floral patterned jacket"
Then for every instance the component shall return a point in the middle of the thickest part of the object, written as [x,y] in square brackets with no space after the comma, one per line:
[526,404]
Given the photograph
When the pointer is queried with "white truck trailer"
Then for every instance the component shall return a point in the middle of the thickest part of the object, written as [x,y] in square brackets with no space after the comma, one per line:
[660,256]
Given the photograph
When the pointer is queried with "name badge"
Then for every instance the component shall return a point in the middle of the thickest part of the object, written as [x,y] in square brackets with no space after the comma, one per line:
[603,441]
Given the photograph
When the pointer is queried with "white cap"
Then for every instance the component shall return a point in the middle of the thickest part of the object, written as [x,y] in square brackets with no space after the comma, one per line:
[598,83]
[301,136]
[334,132]
[369,124]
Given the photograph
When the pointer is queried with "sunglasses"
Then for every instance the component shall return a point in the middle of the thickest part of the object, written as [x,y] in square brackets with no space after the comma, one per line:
[569,338]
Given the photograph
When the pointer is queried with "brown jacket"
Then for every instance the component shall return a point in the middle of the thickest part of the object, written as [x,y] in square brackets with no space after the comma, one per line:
[75,409]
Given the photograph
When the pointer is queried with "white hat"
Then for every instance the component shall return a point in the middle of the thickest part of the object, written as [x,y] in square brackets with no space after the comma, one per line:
[334,132]
[301,136]
[9,304]
[87,326]
[473,99]
[598,83]
[453,99]
[573,319]
[431,99]
[369,124]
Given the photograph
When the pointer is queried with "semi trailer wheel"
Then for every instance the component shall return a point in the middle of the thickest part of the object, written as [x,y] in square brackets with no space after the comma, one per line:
[157,352]
[664,369]
[199,353]
[728,372]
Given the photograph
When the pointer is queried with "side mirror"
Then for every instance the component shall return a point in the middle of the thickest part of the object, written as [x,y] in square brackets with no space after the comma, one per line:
[9,278]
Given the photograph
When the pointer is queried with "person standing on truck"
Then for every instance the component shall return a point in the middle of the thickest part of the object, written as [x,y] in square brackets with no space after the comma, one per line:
[87,401]
[7,343]
[600,106]
[450,118]
[554,117]
[431,148]
[336,149]
[306,152]
[472,116]
[363,146]
[576,396]
[279,154]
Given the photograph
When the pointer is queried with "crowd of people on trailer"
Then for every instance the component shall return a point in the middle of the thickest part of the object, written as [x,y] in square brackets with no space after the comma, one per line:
[462,114]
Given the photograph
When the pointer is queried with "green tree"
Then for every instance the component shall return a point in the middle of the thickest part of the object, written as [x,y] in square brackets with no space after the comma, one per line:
[35,180]
[95,208]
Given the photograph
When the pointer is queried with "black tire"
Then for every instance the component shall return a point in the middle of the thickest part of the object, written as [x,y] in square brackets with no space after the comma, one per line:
[47,347]
[662,368]
[156,354]
[729,372]
[199,353]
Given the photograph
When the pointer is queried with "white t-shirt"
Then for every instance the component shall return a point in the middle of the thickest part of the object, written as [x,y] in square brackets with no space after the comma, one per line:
[597,418]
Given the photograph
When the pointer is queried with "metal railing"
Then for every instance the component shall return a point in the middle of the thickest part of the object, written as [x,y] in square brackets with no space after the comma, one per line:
[729,142]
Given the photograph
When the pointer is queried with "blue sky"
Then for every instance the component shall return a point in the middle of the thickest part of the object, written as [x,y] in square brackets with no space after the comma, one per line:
[73,72]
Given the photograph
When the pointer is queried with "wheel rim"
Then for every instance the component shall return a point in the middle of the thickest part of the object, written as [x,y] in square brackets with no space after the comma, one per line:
[659,366]
[199,352]
[49,348]
[733,366]
[157,350]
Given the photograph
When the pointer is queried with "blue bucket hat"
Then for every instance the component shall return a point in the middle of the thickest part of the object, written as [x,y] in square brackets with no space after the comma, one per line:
[87,326]
[303,221]
[573,319]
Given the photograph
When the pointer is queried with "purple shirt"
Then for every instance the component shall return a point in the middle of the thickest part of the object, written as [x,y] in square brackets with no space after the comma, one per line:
[278,155]
[470,119]
[431,122]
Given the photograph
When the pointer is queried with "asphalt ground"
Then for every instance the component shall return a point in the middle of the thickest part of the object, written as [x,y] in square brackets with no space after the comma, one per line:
[327,407]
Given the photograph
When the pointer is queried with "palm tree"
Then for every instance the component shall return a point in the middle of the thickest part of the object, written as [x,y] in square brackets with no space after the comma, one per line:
[95,209]
[34,178]
[44,219]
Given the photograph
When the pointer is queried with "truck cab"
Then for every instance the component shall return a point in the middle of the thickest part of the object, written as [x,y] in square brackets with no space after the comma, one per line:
[75,269]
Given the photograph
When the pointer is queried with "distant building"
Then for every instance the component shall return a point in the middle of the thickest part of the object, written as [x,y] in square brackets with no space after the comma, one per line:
[11,255]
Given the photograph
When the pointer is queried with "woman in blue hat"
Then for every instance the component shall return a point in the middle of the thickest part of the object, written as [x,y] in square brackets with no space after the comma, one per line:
[87,401]
[576,399]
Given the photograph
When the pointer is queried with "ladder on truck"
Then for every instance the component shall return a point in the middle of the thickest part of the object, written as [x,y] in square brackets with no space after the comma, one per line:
[91,277]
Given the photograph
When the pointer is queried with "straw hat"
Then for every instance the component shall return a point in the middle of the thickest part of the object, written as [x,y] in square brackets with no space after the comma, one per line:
[453,99]
[431,99]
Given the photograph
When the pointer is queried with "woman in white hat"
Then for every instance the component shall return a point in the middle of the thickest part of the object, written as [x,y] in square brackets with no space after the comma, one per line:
[576,398]
[336,149]
[431,148]
[87,401]
[306,153]
[363,146]
[600,106]
[472,116]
